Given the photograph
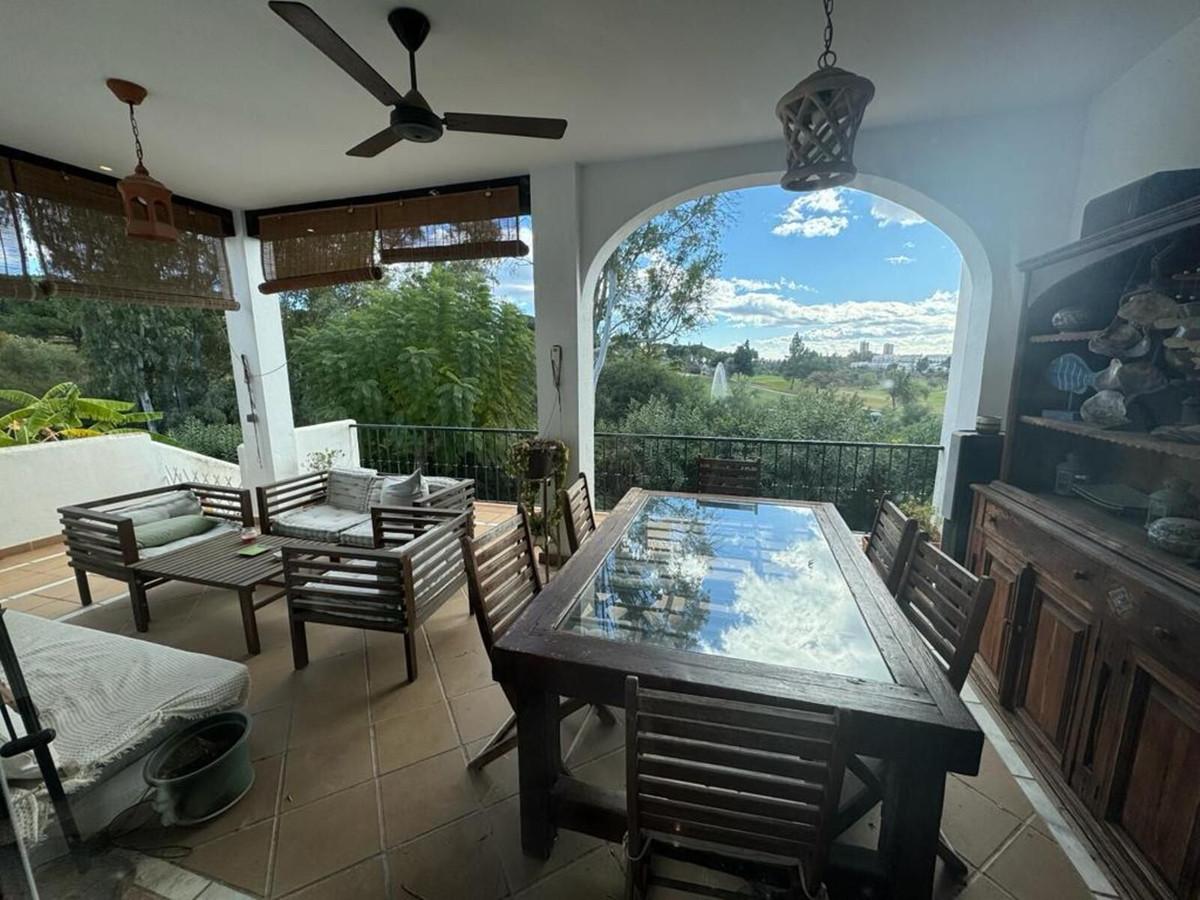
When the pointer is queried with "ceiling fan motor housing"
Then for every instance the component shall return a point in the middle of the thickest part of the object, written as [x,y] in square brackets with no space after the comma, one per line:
[414,123]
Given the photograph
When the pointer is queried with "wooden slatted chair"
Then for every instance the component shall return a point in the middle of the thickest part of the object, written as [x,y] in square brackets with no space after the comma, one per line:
[947,606]
[502,580]
[890,542]
[734,477]
[579,518]
[749,782]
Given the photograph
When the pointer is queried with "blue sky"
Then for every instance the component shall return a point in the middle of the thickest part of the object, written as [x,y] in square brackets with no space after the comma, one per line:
[839,266]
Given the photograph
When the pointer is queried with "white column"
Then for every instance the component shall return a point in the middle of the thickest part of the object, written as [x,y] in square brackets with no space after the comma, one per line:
[256,349]
[563,318]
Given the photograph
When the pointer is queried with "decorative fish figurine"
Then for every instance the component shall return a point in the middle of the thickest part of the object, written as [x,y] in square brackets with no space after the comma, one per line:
[1070,373]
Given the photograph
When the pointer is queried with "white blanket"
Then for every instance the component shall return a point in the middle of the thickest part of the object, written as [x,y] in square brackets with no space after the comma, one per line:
[107,696]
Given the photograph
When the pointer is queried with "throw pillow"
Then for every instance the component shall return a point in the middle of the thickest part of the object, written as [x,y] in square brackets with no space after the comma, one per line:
[167,531]
[349,488]
[402,490]
[157,507]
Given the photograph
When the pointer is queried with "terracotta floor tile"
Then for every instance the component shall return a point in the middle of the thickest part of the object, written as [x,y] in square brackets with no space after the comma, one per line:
[496,781]
[362,881]
[326,836]
[27,603]
[996,783]
[606,772]
[59,589]
[975,826]
[597,876]
[270,732]
[426,795]
[55,609]
[598,738]
[522,870]
[452,640]
[239,859]
[479,713]
[464,672]
[325,766]
[459,860]
[1033,867]
[412,737]
[20,581]
[983,888]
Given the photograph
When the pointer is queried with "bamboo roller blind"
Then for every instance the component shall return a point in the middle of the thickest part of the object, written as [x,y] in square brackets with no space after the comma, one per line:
[319,247]
[64,235]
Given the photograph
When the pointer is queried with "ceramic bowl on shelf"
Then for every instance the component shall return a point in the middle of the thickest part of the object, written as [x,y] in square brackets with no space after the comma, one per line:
[1176,535]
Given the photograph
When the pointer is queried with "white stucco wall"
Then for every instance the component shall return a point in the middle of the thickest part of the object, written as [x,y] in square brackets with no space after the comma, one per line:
[326,436]
[1147,121]
[999,195]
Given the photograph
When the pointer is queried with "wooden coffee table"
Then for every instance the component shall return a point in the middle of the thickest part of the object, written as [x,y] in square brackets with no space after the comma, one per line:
[216,563]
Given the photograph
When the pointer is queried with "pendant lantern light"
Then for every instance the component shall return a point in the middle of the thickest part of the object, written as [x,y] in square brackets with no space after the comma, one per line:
[821,116]
[147,202]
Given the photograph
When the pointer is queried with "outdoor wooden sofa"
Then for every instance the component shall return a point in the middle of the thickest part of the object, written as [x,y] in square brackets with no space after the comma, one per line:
[394,587]
[286,507]
[100,534]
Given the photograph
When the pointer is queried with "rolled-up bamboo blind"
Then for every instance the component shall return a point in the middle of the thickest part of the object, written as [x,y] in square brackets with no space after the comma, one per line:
[15,283]
[70,237]
[480,224]
[316,248]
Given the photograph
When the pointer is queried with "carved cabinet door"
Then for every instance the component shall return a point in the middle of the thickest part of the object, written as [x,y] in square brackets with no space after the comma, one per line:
[996,642]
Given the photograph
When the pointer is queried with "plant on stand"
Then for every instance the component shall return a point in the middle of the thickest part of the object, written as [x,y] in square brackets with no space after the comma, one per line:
[532,461]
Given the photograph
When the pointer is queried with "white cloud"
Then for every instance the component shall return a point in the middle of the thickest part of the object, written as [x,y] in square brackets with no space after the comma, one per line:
[886,213]
[781,284]
[790,285]
[910,245]
[817,214]
[900,260]
[924,326]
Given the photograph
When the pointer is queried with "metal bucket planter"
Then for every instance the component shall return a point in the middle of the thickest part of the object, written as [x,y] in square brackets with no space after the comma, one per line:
[203,770]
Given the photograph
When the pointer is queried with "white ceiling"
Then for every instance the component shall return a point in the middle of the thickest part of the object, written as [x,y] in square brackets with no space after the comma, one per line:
[245,113]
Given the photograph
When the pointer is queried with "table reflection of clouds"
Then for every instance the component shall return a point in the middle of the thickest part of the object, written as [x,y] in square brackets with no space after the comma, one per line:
[751,581]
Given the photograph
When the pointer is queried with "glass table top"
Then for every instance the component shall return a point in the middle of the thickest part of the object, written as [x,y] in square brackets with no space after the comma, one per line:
[746,580]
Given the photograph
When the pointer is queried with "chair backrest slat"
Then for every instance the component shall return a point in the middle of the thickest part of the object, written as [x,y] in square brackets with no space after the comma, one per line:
[579,517]
[890,542]
[734,477]
[750,777]
[947,605]
[502,575]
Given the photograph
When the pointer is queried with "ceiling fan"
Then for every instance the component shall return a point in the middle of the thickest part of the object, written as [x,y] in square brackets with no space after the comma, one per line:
[412,118]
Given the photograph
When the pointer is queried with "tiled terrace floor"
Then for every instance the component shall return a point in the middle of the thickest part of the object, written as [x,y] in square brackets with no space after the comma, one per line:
[362,789]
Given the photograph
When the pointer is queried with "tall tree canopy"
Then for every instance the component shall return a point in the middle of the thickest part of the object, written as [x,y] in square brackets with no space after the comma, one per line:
[657,283]
[430,347]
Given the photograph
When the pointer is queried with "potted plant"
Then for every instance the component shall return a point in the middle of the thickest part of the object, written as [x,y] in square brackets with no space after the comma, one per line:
[531,461]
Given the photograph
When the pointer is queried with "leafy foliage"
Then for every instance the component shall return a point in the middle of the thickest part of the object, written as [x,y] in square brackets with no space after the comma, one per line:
[61,413]
[218,440]
[431,347]
[627,380]
[743,360]
[34,365]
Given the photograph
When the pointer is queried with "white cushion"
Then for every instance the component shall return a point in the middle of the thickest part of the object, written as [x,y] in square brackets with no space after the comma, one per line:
[349,488]
[400,490]
[317,523]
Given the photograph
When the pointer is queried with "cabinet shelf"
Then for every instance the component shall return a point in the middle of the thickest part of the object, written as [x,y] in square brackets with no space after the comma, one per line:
[1123,438]
[1062,337]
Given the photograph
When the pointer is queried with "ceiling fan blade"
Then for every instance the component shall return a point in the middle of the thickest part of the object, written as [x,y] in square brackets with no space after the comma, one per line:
[375,144]
[520,126]
[314,29]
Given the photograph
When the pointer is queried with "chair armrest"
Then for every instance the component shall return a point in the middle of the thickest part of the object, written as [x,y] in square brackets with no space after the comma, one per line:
[395,525]
[224,502]
[289,494]
[454,496]
[434,564]
[98,539]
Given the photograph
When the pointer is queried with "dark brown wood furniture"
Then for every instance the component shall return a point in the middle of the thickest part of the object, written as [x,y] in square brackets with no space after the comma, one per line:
[890,542]
[310,490]
[502,580]
[735,477]
[1092,645]
[579,517]
[217,563]
[708,776]
[620,607]
[394,588]
[103,542]
[947,605]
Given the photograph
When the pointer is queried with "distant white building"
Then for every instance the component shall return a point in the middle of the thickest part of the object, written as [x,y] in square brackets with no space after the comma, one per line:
[906,361]
[889,349]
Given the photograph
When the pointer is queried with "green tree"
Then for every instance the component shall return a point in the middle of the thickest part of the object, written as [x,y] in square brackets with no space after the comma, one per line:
[627,380]
[427,348]
[62,413]
[743,360]
[800,361]
[903,387]
[34,365]
[657,283]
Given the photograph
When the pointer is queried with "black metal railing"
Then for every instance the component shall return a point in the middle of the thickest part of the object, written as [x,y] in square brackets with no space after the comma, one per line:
[850,474]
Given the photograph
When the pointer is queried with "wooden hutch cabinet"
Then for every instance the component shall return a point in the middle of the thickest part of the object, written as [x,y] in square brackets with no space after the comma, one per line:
[1092,645]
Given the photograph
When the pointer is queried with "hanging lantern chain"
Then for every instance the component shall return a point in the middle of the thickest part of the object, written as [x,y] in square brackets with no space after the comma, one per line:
[828,57]
[137,139]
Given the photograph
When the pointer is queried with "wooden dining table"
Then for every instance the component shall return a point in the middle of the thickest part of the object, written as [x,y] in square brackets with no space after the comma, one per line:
[745,598]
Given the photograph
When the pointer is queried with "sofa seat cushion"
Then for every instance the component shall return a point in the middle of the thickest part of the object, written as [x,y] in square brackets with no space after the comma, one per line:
[363,535]
[350,489]
[323,522]
[167,531]
[220,526]
[368,601]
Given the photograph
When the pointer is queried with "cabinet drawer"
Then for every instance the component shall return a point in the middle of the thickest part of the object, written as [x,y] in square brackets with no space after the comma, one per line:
[1168,632]
[1053,559]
